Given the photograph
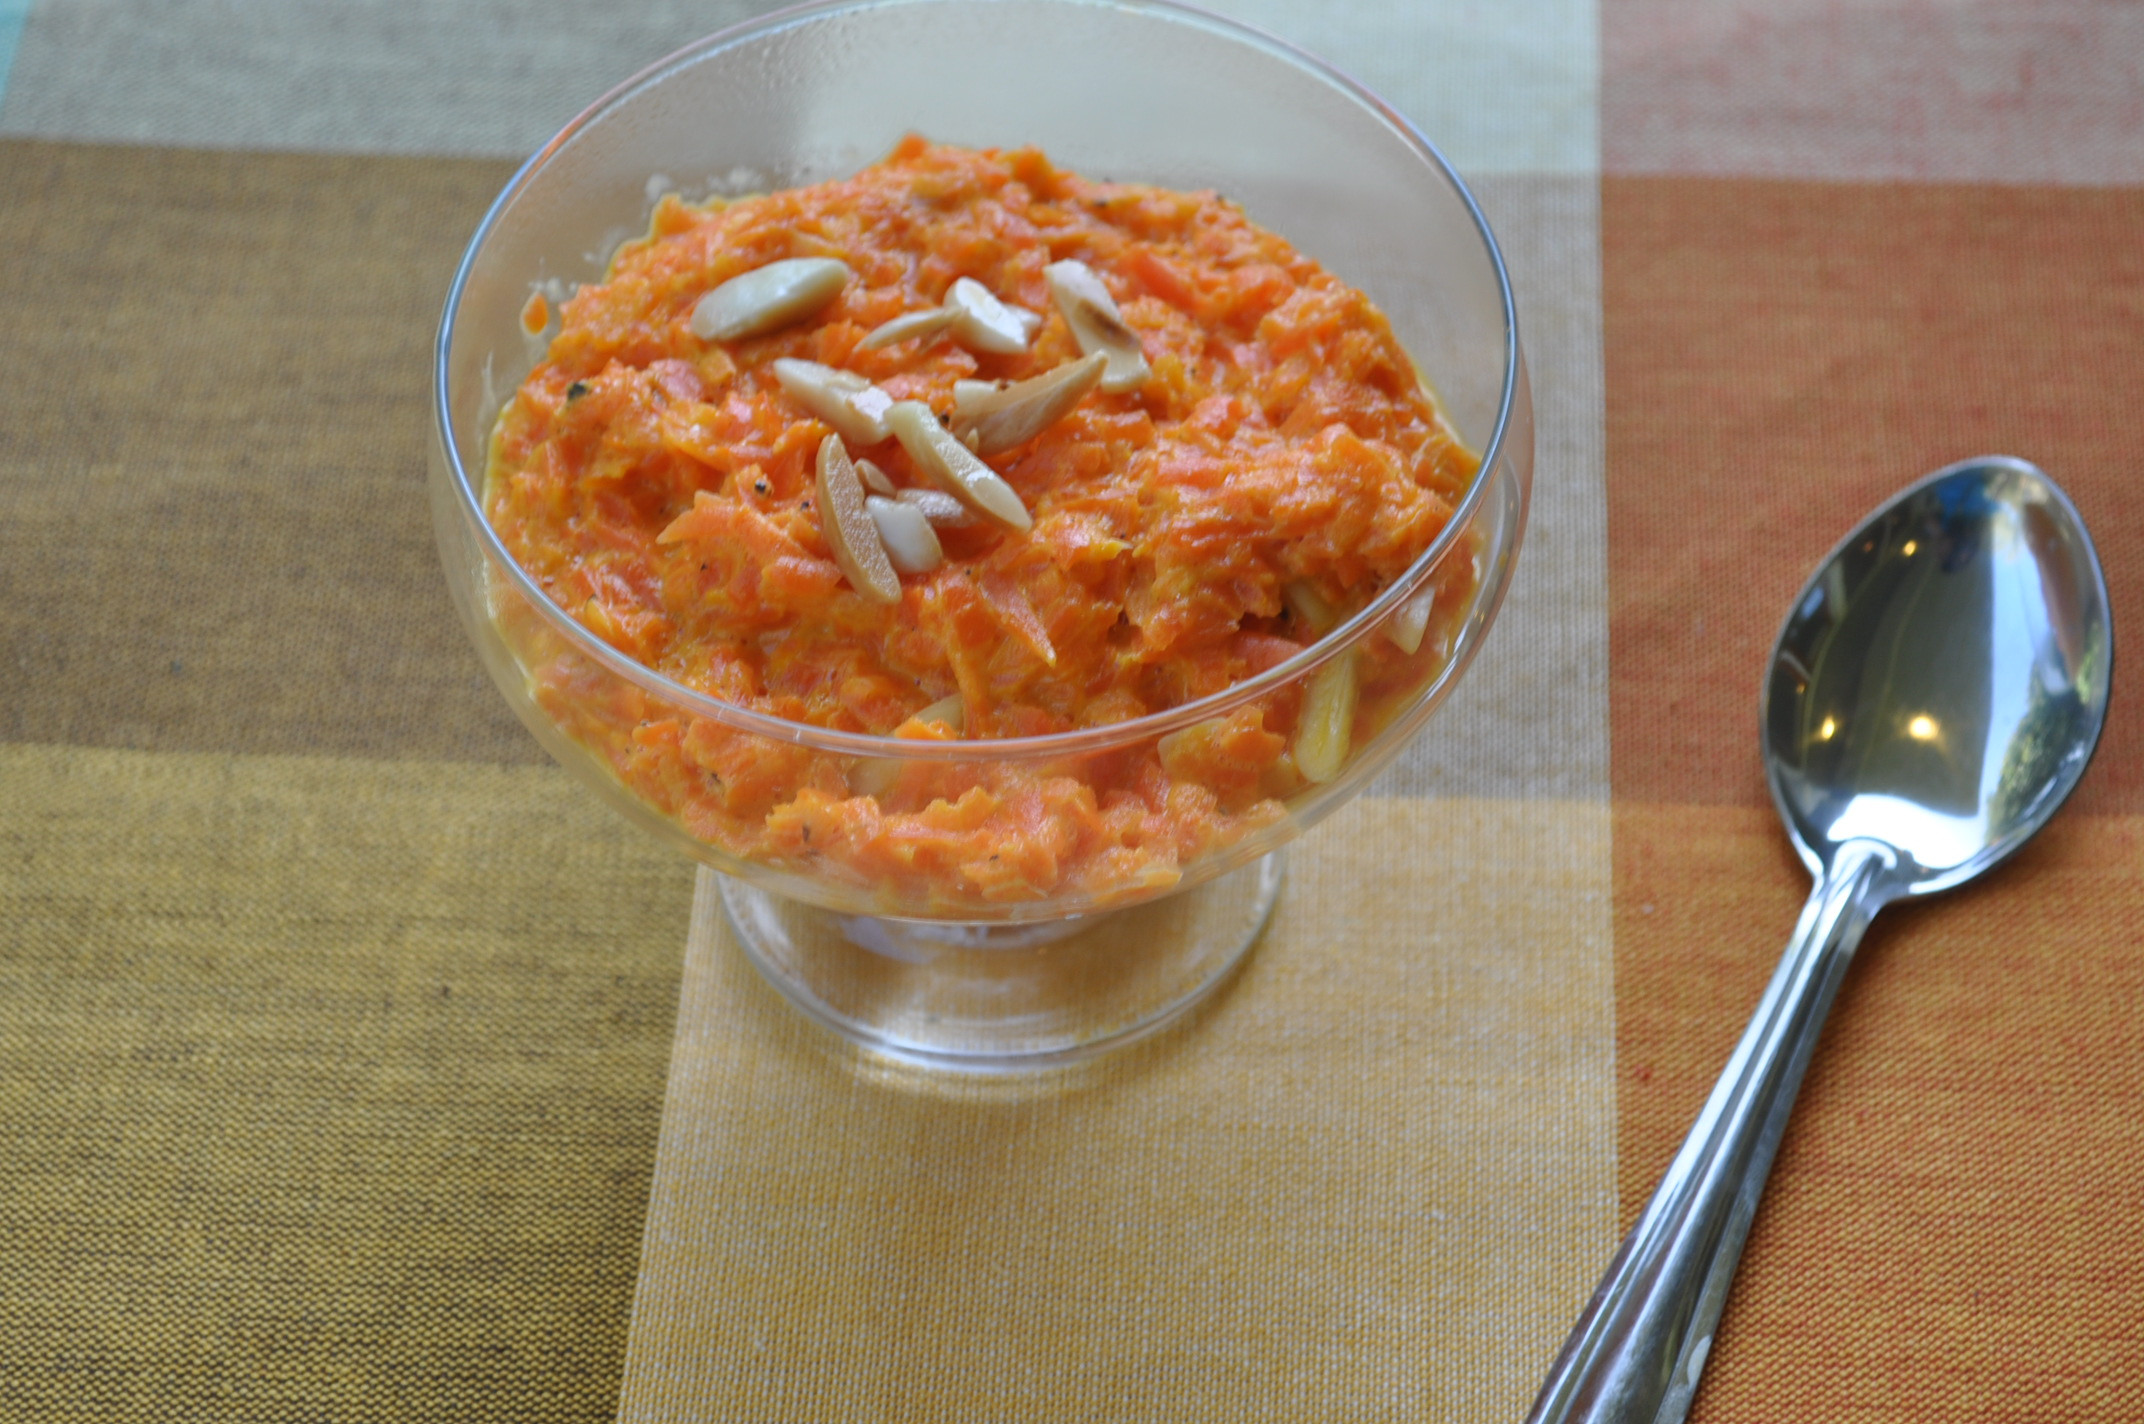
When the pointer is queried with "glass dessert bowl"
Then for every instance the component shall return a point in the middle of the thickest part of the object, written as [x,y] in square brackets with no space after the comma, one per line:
[966,898]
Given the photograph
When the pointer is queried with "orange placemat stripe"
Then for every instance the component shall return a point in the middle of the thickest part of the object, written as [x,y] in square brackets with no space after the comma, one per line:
[1950,1232]
[1782,356]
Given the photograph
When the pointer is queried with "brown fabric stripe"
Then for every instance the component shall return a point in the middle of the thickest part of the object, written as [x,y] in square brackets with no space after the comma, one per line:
[1950,1230]
[213,528]
[1780,357]
[328,1088]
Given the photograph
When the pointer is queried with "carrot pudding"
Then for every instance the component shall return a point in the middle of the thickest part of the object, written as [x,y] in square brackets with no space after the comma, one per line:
[969,447]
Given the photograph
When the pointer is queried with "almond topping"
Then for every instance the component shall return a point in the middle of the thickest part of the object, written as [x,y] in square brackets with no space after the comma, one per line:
[940,508]
[850,529]
[947,711]
[875,776]
[1096,325]
[968,395]
[1326,734]
[954,468]
[907,324]
[768,297]
[983,323]
[852,405]
[1312,607]
[875,479]
[1013,415]
[911,543]
[1411,620]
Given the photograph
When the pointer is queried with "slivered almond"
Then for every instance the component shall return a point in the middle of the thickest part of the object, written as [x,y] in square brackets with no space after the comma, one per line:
[954,468]
[1096,324]
[967,395]
[852,405]
[907,324]
[1405,627]
[983,323]
[1013,415]
[946,711]
[1312,607]
[911,544]
[1327,731]
[875,479]
[850,529]
[875,776]
[940,508]
[769,297]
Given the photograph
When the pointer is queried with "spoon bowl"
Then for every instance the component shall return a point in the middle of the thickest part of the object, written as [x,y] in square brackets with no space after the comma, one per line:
[1940,683]
[1933,697]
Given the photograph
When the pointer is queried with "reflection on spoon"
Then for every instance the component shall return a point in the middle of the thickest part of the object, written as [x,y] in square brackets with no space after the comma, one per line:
[1933,697]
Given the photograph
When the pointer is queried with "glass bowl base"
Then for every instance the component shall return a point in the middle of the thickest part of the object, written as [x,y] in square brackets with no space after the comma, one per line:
[996,998]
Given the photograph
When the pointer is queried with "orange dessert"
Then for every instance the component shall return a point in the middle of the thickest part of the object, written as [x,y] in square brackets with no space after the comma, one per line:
[969,447]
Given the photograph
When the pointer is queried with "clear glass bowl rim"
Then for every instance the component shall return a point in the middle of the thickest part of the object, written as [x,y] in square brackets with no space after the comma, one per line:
[1086,740]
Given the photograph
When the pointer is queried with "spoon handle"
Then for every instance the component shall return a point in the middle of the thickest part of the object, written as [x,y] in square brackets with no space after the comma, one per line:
[1636,1352]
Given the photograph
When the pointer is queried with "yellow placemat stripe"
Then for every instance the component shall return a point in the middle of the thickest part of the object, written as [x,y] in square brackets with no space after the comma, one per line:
[1375,1179]
[328,1088]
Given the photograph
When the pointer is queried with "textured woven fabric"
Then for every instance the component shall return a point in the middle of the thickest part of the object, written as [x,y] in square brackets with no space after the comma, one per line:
[328,1086]
[213,531]
[1948,1231]
[1371,1179]
[1948,1234]
[355,1063]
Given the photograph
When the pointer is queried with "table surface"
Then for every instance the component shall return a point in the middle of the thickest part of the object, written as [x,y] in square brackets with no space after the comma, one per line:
[355,1064]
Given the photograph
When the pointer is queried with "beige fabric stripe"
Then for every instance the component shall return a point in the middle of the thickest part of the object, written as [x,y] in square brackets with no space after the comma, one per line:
[1987,91]
[1531,717]
[1510,90]
[490,77]
[213,526]
[500,76]
[328,1088]
[1375,1179]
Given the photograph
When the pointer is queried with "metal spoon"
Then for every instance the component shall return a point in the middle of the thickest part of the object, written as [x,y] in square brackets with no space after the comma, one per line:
[1934,695]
